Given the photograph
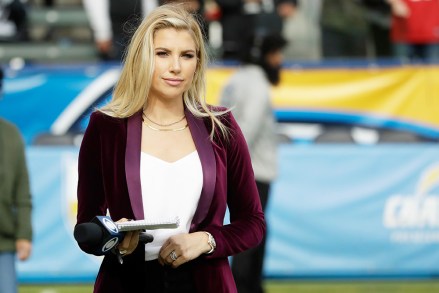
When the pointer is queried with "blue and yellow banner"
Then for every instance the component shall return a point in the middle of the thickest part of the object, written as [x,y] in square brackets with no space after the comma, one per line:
[402,97]
[398,97]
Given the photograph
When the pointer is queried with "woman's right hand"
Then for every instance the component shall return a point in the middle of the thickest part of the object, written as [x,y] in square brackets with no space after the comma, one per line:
[129,242]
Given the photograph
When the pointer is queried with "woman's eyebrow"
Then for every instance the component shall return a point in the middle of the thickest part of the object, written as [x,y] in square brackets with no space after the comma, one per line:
[168,50]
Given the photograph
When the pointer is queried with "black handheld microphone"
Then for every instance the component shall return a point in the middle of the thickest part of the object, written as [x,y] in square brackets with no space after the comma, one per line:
[103,235]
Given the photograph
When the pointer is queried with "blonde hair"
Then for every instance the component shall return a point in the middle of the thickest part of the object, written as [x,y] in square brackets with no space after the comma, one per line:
[131,91]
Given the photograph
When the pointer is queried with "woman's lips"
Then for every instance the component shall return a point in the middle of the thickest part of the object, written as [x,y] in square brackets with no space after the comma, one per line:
[173,81]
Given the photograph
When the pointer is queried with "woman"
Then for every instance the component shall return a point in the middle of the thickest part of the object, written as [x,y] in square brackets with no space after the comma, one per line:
[158,150]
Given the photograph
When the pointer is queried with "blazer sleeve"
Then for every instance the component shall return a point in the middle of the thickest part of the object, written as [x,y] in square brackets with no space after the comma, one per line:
[91,198]
[247,224]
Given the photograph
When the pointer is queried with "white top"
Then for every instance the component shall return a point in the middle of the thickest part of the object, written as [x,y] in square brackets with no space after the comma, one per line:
[169,190]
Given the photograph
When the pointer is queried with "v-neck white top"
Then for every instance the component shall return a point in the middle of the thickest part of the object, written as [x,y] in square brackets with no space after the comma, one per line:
[169,190]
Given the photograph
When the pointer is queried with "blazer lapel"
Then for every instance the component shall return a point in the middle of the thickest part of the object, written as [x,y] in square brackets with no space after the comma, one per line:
[204,147]
[205,152]
[132,164]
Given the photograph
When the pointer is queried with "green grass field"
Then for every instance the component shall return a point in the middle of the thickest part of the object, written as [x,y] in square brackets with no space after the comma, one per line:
[288,287]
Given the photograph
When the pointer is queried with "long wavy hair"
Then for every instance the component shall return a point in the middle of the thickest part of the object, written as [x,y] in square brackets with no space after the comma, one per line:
[131,92]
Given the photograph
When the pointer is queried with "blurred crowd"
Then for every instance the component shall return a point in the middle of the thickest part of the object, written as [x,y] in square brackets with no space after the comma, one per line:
[314,29]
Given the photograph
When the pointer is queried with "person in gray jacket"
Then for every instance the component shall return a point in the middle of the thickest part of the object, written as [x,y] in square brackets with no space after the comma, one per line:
[248,94]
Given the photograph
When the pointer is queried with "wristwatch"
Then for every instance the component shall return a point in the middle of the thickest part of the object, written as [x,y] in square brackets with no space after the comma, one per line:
[211,242]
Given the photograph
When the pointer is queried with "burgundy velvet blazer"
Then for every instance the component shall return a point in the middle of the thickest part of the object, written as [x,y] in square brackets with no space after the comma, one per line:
[109,178]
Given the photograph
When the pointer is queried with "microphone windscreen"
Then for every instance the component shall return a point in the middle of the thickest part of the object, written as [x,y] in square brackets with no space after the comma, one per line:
[88,233]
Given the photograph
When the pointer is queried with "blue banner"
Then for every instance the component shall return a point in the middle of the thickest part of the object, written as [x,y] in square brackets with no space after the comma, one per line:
[56,256]
[334,211]
[341,210]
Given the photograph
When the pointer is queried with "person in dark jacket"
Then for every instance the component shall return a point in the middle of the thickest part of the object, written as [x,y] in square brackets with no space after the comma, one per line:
[15,205]
[113,21]
[241,19]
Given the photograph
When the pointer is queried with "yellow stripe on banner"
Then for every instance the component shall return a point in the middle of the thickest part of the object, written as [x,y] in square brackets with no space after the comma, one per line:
[216,78]
[409,93]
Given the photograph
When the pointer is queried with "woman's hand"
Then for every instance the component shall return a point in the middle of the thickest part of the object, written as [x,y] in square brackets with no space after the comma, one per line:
[179,249]
[129,242]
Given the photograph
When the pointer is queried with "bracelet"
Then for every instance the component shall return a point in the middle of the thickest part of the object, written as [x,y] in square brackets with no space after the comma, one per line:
[211,242]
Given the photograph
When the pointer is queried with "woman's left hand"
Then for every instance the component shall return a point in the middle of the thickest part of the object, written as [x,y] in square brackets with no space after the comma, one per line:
[129,242]
[179,249]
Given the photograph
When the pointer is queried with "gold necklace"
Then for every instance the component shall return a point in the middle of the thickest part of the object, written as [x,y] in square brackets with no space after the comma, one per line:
[165,129]
[163,125]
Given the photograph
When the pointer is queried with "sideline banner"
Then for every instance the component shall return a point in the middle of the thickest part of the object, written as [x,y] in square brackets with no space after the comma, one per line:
[398,97]
[56,256]
[340,211]
[334,211]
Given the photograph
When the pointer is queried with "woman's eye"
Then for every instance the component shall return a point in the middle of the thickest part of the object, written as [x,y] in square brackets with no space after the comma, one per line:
[162,53]
[188,56]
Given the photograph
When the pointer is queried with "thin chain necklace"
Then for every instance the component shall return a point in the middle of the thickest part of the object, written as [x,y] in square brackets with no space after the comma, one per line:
[163,125]
[165,129]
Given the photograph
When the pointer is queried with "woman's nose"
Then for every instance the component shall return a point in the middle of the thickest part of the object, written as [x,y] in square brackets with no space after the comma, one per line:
[175,65]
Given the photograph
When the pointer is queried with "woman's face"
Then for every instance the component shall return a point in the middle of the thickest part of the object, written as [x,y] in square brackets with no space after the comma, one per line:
[175,63]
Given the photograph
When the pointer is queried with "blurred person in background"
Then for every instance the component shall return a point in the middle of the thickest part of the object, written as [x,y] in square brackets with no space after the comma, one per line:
[241,19]
[15,204]
[378,16]
[344,29]
[49,3]
[113,21]
[13,21]
[415,29]
[158,151]
[108,20]
[302,31]
[248,94]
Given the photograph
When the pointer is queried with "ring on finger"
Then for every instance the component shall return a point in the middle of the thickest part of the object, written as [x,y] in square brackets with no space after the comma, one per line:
[123,251]
[173,255]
